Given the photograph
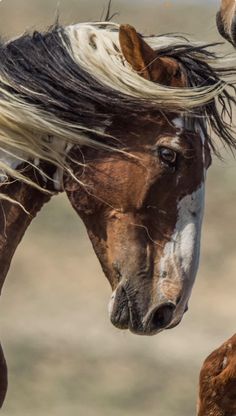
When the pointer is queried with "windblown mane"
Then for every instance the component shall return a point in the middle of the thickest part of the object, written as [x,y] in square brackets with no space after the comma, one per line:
[63,87]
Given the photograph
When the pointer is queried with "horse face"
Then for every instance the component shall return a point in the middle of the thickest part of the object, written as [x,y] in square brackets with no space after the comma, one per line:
[143,213]
[226,20]
[143,208]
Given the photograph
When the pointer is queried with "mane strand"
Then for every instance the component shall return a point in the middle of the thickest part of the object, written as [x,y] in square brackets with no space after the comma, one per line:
[69,83]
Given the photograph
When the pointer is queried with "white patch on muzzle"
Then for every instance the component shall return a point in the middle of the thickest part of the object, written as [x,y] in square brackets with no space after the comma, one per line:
[181,254]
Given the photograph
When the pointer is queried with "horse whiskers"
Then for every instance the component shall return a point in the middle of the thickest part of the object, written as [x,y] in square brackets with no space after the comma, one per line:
[148,234]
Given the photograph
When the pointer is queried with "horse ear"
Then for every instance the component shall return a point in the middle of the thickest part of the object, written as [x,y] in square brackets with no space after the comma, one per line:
[135,50]
[145,60]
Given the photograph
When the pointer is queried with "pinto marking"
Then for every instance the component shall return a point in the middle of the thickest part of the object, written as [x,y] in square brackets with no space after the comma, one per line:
[181,254]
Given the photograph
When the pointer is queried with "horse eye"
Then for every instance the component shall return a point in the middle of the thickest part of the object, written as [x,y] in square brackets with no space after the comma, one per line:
[167,155]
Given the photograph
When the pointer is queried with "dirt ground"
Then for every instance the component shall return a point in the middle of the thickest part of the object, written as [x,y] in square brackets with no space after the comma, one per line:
[64,356]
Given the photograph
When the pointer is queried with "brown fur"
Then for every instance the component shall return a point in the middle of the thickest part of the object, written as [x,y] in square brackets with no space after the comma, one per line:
[13,223]
[14,220]
[217,396]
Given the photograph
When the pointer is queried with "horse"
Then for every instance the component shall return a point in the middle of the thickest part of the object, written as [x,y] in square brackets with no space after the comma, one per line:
[123,124]
[217,392]
[226,20]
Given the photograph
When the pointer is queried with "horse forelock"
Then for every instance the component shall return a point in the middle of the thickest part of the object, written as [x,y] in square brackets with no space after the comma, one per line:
[69,83]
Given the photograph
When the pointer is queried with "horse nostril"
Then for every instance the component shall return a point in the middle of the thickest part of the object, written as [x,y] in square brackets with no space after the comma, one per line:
[163,315]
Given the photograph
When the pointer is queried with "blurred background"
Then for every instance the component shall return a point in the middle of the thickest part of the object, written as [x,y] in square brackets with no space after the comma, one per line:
[64,356]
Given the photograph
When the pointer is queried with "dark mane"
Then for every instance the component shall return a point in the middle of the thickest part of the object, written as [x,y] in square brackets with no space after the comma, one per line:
[219,112]
[42,73]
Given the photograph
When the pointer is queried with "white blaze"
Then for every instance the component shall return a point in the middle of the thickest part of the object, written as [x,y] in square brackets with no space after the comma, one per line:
[181,254]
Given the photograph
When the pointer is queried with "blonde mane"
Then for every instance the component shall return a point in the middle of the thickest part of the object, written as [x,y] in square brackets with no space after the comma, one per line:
[107,64]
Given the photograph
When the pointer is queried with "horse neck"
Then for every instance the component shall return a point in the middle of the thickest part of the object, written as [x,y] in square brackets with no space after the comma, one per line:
[14,220]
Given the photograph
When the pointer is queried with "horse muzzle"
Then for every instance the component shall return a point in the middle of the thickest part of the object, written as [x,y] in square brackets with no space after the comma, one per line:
[126,312]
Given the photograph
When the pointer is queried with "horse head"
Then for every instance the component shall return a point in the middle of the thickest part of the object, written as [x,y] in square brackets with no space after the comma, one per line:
[142,203]
[120,122]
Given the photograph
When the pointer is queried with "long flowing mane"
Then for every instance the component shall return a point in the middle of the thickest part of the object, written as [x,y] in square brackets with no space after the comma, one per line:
[64,87]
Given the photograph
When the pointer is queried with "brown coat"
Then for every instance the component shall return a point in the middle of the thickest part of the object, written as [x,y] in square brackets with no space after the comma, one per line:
[217,395]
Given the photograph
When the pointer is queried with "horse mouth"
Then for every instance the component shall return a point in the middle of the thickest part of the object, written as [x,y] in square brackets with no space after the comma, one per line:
[124,315]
